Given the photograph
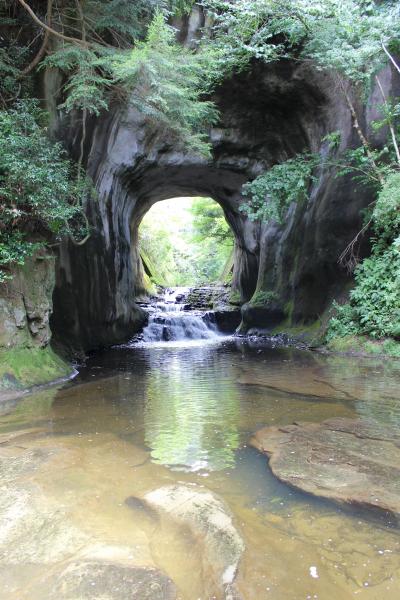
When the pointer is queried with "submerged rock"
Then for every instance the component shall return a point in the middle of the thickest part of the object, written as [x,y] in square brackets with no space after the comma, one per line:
[88,580]
[44,553]
[351,461]
[142,507]
[210,521]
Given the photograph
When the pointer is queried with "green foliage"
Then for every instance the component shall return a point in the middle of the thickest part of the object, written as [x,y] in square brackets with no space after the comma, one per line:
[211,239]
[345,35]
[343,323]
[180,7]
[386,213]
[108,28]
[40,196]
[188,244]
[159,239]
[122,21]
[89,76]
[272,192]
[376,297]
[165,83]
[374,307]
[14,248]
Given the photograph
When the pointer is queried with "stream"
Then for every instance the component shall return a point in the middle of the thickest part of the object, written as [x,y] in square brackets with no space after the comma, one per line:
[81,463]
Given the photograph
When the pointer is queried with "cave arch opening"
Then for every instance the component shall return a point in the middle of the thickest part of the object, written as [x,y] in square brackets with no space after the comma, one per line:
[182,241]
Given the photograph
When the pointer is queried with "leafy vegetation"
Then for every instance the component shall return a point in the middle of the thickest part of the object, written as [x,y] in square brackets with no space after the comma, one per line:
[188,240]
[374,307]
[105,49]
[346,36]
[272,192]
[40,196]
[164,81]
[211,239]
[353,39]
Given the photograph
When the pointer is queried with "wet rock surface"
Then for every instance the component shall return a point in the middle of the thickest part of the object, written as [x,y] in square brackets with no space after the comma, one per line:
[211,523]
[350,461]
[94,580]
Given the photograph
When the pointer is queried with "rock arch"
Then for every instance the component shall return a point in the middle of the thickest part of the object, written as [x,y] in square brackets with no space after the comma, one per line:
[268,114]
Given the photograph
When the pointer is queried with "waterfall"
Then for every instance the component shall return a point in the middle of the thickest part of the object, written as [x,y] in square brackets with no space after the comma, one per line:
[171,321]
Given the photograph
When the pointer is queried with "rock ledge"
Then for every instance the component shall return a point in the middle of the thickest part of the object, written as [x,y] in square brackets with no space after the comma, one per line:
[355,462]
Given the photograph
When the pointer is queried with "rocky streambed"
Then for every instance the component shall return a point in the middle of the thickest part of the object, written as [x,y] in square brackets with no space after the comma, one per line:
[46,553]
[136,479]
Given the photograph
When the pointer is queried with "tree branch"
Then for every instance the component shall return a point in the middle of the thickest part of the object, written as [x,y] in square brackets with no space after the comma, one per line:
[348,257]
[392,131]
[45,42]
[49,29]
[386,51]
[360,133]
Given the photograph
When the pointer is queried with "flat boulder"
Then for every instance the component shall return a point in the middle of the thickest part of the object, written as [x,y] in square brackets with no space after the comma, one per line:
[350,461]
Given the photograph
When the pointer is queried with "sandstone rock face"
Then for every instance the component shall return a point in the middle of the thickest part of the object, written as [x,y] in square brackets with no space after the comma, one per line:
[355,462]
[268,114]
[210,522]
[26,304]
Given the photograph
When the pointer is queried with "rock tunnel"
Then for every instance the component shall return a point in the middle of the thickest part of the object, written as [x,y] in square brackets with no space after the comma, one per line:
[268,114]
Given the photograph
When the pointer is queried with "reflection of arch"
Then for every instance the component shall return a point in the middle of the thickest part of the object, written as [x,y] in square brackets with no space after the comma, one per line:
[267,115]
[187,425]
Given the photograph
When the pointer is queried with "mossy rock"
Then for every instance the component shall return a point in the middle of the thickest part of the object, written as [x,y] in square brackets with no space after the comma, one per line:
[309,333]
[264,298]
[25,367]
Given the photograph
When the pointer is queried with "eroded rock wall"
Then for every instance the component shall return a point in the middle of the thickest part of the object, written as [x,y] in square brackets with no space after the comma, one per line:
[25,308]
[290,272]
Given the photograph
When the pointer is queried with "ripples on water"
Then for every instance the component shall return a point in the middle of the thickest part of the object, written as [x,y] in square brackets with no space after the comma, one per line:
[139,417]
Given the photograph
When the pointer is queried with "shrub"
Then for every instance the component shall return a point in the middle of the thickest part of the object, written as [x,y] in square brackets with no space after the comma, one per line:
[40,195]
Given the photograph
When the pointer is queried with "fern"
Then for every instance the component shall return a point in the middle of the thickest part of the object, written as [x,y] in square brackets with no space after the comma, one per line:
[90,76]
[165,83]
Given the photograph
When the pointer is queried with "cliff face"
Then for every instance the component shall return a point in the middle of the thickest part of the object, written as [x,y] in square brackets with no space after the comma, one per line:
[26,304]
[268,114]
[25,308]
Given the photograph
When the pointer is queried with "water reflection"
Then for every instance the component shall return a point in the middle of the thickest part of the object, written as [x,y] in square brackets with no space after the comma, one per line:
[191,410]
[82,450]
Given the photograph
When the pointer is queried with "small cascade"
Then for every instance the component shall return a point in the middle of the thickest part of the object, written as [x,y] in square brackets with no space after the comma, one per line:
[171,321]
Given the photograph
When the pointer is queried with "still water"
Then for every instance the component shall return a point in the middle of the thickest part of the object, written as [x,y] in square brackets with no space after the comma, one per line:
[141,417]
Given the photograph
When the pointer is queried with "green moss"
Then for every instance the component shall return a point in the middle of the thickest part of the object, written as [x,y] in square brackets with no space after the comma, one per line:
[25,367]
[234,298]
[150,269]
[262,298]
[310,333]
[289,308]
[363,345]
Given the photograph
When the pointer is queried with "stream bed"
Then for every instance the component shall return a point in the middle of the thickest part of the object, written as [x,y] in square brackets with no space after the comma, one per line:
[80,461]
